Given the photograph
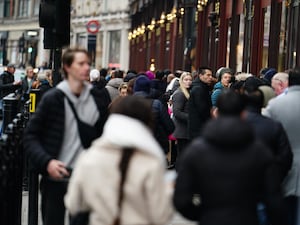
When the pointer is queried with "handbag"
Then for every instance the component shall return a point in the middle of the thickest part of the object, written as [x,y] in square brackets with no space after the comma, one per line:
[87,132]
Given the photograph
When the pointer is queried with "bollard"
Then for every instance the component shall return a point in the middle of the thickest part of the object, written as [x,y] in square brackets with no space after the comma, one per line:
[12,182]
[11,105]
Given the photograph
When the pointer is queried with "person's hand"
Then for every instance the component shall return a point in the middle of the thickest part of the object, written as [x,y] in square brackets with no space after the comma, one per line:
[17,82]
[56,169]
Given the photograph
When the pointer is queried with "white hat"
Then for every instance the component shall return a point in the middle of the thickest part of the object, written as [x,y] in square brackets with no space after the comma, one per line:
[94,75]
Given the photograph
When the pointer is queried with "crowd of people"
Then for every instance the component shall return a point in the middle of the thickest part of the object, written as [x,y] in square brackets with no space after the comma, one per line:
[111,140]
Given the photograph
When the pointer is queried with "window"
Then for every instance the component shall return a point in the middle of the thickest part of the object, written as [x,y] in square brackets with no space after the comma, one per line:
[36,7]
[23,10]
[8,9]
[114,48]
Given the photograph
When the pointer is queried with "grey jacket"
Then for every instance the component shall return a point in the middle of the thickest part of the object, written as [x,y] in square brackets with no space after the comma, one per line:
[286,109]
[180,114]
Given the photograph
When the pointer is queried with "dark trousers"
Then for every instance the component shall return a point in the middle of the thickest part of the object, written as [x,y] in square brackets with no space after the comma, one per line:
[53,208]
[292,208]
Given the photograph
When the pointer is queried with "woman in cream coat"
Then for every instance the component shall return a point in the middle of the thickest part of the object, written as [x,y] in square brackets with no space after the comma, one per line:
[94,185]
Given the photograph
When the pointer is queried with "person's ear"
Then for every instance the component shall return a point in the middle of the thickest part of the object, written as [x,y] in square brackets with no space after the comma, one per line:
[243,115]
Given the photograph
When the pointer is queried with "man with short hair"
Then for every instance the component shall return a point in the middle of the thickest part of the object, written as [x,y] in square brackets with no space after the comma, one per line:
[27,83]
[54,139]
[280,83]
[199,102]
[7,85]
[286,110]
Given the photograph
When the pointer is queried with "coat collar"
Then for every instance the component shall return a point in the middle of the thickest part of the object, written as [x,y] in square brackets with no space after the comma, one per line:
[124,131]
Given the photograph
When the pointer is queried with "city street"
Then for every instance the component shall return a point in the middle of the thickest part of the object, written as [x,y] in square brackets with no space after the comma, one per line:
[177,219]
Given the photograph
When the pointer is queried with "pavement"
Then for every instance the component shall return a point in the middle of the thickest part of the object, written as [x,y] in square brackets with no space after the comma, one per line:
[176,220]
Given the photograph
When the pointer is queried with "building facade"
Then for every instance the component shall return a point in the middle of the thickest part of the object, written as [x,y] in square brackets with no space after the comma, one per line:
[245,35]
[101,26]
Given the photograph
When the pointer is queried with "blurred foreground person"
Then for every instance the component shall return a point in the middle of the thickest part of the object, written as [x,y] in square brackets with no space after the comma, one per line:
[226,172]
[67,119]
[121,177]
[286,110]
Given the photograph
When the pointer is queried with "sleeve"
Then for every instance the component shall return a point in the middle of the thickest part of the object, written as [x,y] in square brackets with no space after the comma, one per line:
[36,131]
[164,119]
[74,198]
[179,102]
[4,86]
[184,195]
[158,197]
[214,97]
[284,155]
[272,188]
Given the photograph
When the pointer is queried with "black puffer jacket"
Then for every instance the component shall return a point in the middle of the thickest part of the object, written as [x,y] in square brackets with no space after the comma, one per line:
[230,172]
[43,136]
[6,84]
[199,107]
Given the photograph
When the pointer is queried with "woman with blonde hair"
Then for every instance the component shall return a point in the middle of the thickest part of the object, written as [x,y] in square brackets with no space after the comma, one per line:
[180,111]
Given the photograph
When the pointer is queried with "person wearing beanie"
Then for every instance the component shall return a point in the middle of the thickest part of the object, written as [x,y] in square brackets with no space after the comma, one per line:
[142,84]
[267,75]
[224,76]
[150,75]
[129,76]
[163,125]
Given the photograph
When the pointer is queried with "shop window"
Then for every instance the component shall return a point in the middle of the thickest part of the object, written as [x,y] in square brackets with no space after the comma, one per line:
[267,19]
[114,48]
[283,39]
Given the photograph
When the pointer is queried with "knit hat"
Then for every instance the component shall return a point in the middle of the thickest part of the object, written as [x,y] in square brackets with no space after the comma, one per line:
[94,75]
[142,83]
[269,73]
[150,75]
[129,76]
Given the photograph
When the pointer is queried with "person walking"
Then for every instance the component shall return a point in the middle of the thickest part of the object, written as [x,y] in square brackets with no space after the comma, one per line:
[199,102]
[136,191]
[67,119]
[286,109]
[224,173]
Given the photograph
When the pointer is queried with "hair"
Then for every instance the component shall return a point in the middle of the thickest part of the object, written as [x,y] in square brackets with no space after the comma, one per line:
[123,85]
[182,88]
[202,69]
[294,76]
[230,103]
[281,76]
[255,98]
[135,107]
[69,55]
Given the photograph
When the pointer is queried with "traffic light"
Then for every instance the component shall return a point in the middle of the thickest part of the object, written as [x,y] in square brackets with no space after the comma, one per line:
[54,17]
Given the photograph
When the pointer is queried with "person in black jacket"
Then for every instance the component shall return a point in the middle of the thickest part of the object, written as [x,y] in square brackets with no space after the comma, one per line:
[7,81]
[163,125]
[227,171]
[53,140]
[199,102]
